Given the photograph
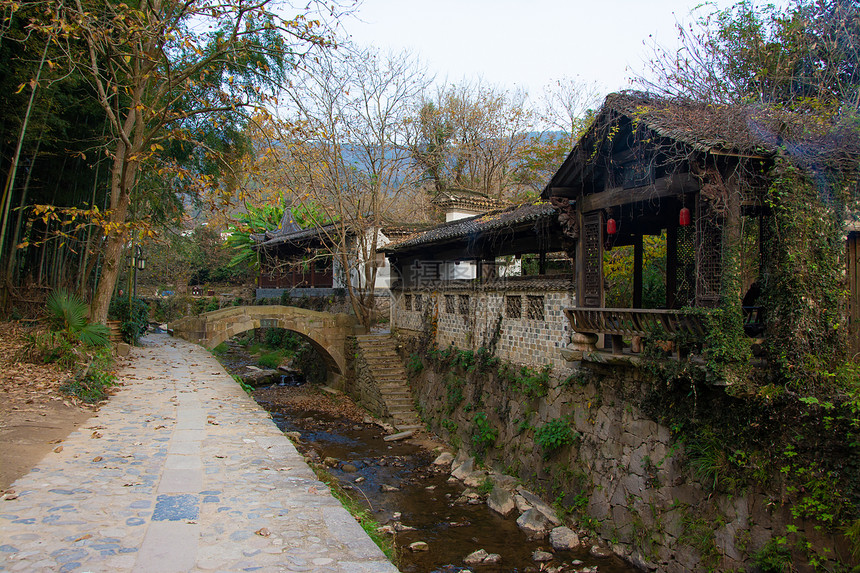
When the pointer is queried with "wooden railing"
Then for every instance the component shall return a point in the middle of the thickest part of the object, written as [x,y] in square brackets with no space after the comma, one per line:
[630,322]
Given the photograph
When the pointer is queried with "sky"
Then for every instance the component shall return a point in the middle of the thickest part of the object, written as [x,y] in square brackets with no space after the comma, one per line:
[525,43]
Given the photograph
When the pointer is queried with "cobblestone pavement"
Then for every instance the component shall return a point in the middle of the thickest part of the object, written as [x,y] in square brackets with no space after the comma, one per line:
[179,471]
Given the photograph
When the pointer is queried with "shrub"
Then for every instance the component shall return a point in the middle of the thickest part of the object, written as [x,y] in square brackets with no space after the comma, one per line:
[68,313]
[134,317]
[272,360]
[92,384]
[273,337]
[414,365]
[49,347]
[483,434]
[554,435]
[774,557]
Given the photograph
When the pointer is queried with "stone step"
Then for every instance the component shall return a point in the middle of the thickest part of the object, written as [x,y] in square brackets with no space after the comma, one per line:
[374,337]
[390,376]
[395,390]
[384,363]
[375,356]
[382,360]
[398,394]
[389,373]
[393,386]
[377,343]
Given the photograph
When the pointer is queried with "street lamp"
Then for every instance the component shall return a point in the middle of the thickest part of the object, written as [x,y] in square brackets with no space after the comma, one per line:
[137,262]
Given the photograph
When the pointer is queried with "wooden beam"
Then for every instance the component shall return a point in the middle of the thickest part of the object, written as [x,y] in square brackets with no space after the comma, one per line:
[663,187]
[568,192]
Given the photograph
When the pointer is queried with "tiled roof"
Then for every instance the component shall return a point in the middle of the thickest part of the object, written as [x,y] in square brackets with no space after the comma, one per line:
[465,198]
[473,226]
[318,234]
[704,127]
[752,131]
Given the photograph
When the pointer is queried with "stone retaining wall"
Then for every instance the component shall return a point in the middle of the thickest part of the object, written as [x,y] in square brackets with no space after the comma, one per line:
[624,476]
[361,385]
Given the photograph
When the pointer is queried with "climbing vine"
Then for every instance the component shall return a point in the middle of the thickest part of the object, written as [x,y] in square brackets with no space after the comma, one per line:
[804,294]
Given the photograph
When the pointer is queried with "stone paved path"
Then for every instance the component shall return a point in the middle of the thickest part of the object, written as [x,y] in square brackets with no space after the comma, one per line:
[180,471]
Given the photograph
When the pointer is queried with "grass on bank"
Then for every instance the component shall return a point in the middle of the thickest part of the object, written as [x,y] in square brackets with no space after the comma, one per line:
[361,514]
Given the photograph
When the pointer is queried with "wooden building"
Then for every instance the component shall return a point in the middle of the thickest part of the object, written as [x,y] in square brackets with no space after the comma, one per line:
[696,177]
[307,262]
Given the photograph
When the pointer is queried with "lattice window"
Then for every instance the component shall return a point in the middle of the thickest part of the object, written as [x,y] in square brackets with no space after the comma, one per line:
[592,252]
[709,254]
[534,310]
[450,303]
[407,301]
[514,306]
[419,302]
[685,276]
[464,304]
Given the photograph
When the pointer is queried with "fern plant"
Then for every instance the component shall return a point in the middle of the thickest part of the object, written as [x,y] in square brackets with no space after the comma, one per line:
[68,314]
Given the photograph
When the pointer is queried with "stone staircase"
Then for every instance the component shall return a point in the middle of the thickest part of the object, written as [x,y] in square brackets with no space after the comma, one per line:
[379,364]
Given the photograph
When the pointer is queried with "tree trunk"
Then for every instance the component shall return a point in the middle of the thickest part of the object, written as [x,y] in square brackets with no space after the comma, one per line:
[110,266]
[123,176]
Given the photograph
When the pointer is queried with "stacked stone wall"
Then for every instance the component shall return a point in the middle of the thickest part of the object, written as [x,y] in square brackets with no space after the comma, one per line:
[624,476]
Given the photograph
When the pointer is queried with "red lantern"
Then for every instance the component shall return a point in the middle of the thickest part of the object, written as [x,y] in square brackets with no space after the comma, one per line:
[611,227]
[684,217]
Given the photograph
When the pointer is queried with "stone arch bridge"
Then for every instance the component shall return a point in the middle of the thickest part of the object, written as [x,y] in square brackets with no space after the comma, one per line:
[325,331]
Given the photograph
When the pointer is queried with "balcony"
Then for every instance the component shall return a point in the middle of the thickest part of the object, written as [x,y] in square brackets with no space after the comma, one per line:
[632,323]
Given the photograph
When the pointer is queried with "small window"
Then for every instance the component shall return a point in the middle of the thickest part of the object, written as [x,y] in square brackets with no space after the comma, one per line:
[464,304]
[535,307]
[450,303]
[514,306]
[407,302]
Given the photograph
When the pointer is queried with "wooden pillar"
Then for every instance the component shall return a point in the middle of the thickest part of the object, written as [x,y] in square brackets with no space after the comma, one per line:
[671,266]
[638,249]
[487,269]
[542,262]
[589,261]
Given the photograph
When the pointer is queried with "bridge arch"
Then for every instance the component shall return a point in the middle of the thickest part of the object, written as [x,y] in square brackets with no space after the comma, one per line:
[326,332]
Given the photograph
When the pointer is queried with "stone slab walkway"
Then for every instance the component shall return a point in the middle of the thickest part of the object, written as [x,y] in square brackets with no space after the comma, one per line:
[179,471]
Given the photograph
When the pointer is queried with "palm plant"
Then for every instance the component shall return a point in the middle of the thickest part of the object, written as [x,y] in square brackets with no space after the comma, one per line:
[68,314]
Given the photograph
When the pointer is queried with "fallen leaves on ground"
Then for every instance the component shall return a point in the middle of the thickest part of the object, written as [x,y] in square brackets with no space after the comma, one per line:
[24,385]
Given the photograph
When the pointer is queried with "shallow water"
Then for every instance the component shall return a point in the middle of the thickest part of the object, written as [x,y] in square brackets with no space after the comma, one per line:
[424,498]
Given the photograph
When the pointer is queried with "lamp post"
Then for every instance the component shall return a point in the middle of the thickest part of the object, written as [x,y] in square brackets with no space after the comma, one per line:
[138,262]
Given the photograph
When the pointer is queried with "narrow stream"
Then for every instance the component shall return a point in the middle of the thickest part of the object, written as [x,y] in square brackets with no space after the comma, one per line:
[399,483]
